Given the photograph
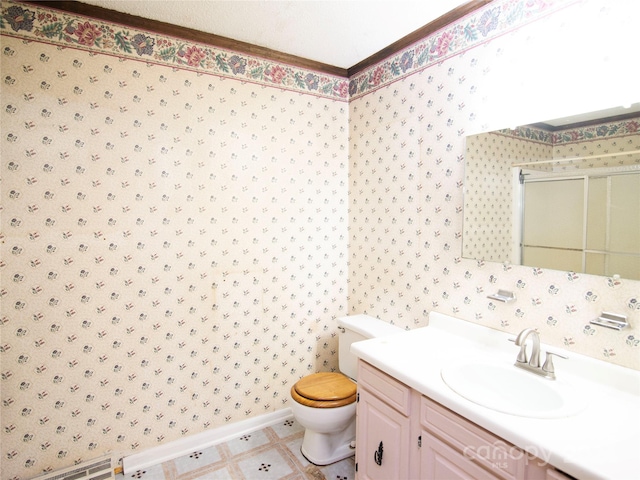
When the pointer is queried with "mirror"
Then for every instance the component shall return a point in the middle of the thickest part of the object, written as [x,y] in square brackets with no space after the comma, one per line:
[563,194]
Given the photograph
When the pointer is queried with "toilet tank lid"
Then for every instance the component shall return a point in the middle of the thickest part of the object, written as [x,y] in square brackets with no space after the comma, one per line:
[368,326]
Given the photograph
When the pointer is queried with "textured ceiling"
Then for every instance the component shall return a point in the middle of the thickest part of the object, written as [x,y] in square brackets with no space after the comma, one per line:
[334,32]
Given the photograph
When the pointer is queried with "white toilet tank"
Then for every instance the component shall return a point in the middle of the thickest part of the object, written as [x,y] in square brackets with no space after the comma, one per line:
[355,328]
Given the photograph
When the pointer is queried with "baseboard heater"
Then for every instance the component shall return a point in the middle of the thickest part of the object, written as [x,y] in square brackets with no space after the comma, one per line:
[96,469]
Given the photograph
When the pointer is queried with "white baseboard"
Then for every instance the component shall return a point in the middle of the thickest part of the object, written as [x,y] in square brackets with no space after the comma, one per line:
[202,440]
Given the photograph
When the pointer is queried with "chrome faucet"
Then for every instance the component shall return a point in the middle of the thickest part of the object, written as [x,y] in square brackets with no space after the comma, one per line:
[547,370]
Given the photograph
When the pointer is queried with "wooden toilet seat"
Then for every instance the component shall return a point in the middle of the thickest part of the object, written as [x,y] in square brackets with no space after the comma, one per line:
[324,390]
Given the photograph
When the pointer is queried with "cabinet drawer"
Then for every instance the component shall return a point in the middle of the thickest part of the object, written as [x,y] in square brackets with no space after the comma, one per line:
[386,388]
[475,443]
[440,461]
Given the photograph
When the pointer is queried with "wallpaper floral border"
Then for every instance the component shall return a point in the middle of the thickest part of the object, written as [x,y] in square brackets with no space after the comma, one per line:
[581,134]
[485,23]
[73,30]
[60,28]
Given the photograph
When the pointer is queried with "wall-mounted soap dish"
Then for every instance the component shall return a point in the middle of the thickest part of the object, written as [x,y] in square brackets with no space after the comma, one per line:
[611,320]
[503,296]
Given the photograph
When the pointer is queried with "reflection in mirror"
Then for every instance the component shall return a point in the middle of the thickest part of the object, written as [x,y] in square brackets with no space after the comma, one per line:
[557,196]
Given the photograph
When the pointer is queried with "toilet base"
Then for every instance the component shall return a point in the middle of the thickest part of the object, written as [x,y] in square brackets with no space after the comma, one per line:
[341,453]
[327,448]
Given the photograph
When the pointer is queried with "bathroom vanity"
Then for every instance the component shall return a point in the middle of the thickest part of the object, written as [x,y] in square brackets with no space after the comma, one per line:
[507,424]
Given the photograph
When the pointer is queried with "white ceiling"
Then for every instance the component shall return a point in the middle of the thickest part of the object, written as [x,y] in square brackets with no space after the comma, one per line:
[335,32]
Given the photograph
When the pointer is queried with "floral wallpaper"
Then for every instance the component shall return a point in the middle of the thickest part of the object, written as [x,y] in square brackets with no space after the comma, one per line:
[177,240]
[608,147]
[173,251]
[488,192]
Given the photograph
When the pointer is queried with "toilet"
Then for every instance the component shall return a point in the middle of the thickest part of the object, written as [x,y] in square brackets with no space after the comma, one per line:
[325,403]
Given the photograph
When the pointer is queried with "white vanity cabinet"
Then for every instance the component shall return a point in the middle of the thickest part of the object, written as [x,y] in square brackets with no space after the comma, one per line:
[401,434]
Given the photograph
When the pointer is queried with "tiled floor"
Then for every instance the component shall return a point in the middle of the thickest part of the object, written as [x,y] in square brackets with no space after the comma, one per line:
[272,453]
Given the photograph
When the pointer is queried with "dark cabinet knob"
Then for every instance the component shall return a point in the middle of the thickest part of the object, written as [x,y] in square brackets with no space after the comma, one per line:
[377,456]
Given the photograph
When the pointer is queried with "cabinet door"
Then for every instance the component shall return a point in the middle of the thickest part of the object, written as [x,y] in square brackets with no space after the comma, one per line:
[439,461]
[382,445]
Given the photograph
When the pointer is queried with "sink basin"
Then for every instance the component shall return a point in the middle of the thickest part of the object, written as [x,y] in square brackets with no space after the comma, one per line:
[509,389]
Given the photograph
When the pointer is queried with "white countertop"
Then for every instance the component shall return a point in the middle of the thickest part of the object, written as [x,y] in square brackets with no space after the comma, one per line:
[601,442]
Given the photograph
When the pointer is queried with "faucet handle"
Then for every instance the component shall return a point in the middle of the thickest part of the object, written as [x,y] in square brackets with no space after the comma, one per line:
[522,354]
[548,363]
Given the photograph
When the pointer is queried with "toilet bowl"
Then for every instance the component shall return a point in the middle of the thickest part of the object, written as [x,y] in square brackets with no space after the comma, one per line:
[325,403]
